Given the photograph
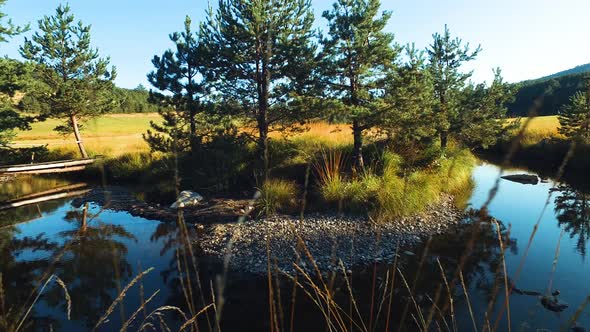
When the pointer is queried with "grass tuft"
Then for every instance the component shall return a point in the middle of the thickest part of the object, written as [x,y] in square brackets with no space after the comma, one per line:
[394,191]
[277,195]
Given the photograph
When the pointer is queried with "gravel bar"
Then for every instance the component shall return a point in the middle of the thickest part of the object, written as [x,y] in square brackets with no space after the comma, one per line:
[355,241]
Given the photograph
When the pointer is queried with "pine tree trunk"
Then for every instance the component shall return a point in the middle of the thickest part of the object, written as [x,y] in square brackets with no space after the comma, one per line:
[444,140]
[74,122]
[262,120]
[263,151]
[357,131]
[192,113]
[263,80]
[357,152]
[444,133]
[193,133]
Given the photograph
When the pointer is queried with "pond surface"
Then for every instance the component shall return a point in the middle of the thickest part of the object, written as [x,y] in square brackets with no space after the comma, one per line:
[95,265]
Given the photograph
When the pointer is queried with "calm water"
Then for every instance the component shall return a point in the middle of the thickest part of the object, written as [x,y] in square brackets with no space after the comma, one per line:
[97,264]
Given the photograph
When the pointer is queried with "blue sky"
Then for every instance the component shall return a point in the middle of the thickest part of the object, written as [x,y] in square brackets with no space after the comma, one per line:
[525,38]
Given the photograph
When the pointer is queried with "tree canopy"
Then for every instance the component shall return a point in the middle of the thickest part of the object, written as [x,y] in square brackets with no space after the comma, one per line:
[357,55]
[77,82]
[574,117]
[180,93]
[258,66]
[410,95]
[446,56]
[12,79]
[261,57]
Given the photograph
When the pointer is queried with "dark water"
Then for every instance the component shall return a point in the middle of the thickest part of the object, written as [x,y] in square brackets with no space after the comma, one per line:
[96,264]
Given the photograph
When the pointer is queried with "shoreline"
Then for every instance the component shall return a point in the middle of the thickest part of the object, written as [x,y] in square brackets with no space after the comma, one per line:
[327,238]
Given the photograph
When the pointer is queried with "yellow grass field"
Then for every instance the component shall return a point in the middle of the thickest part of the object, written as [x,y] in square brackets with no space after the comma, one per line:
[115,134]
[110,135]
[540,128]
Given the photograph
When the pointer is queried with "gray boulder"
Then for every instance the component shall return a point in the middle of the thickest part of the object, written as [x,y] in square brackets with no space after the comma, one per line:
[187,198]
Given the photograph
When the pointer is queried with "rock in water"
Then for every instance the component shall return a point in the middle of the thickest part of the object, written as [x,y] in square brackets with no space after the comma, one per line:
[187,198]
[552,304]
[577,328]
[522,178]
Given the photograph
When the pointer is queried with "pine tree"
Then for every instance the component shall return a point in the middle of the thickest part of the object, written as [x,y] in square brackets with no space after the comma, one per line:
[574,118]
[446,56]
[357,56]
[8,29]
[78,83]
[482,110]
[262,54]
[12,77]
[409,93]
[178,78]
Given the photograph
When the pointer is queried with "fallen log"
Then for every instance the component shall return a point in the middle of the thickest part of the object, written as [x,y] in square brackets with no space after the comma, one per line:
[49,167]
[55,170]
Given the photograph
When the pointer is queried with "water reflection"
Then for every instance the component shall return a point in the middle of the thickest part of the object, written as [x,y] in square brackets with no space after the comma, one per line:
[471,252]
[21,264]
[572,209]
[185,274]
[26,185]
[92,263]
[25,214]
[89,256]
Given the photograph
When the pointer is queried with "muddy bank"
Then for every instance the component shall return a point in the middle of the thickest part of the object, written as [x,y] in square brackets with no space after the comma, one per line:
[329,239]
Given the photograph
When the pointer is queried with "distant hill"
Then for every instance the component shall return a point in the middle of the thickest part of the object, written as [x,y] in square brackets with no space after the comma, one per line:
[581,69]
[553,90]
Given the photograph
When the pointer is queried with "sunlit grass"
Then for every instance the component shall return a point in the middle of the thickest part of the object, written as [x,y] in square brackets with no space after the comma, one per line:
[393,192]
[117,134]
[540,128]
[110,135]
[400,196]
[104,126]
[277,195]
[324,133]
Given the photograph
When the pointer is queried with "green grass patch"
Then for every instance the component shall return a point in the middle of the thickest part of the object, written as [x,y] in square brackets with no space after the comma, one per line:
[392,191]
[277,195]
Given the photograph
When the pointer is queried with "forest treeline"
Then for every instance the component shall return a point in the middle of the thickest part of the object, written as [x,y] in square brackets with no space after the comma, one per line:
[548,95]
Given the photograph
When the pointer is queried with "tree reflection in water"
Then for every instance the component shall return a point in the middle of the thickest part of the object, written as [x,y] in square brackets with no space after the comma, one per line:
[184,274]
[474,251]
[93,265]
[22,262]
[572,208]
